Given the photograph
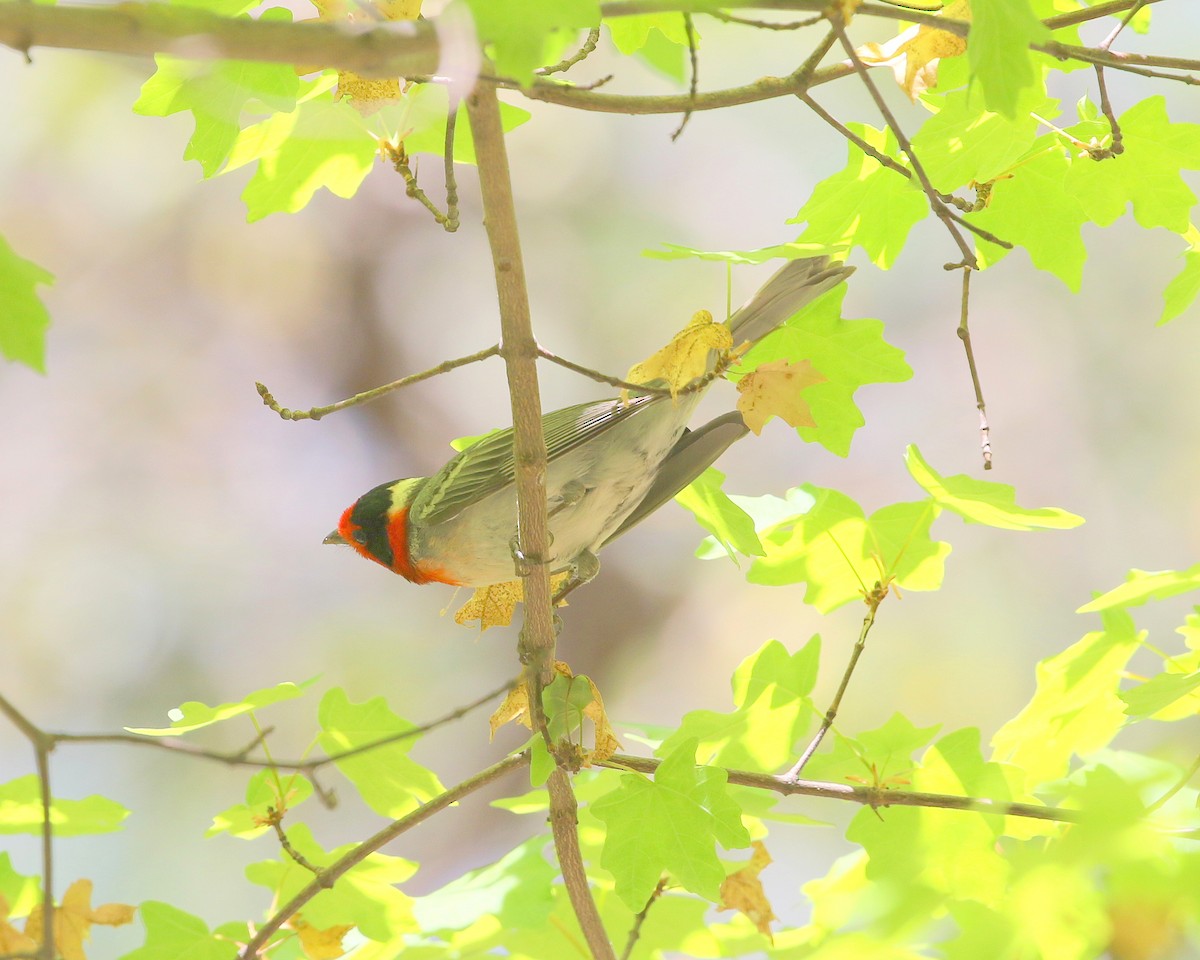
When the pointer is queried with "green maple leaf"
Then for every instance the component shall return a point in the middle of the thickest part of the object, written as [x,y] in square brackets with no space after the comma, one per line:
[20,892]
[866,204]
[248,820]
[872,757]
[771,691]
[1148,174]
[23,318]
[961,144]
[998,51]
[980,501]
[322,143]
[849,353]
[1052,234]
[671,823]
[365,896]
[1076,708]
[837,551]
[658,39]
[1145,585]
[217,94]
[519,33]
[730,525]
[21,811]
[194,715]
[517,890]
[958,856]
[172,934]
[390,781]
[1160,692]
[1183,289]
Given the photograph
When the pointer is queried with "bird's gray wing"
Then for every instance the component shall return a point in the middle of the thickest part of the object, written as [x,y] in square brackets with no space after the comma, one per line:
[487,466]
[692,454]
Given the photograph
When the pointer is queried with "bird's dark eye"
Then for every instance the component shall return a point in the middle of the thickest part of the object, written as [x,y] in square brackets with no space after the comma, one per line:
[360,537]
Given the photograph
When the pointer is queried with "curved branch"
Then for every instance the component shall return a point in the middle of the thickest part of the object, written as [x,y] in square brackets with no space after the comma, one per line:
[329,874]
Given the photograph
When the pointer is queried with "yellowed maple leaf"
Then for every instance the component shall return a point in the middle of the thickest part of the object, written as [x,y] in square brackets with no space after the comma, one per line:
[13,940]
[74,918]
[494,605]
[686,357]
[605,742]
[367,94]
[320,944]
[913,54]
[743,891]
[1145,927]
[773,390]
[515,706]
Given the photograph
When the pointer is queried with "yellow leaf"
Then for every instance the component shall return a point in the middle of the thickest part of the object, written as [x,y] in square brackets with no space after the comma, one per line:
[743,891]
[494,605]
[13,940]
[74,918]
[514,707]
[773,390]
[686,357]
[367,94]
[914,54]
[606,742]
[320,944]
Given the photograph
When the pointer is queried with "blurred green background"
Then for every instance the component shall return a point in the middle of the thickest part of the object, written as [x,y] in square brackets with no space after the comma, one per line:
[162,530]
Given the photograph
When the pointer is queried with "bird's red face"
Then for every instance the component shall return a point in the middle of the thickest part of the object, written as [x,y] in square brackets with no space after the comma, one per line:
[376,526]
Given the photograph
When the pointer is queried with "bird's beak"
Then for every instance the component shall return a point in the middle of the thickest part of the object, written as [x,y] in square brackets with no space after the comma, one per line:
[334,537]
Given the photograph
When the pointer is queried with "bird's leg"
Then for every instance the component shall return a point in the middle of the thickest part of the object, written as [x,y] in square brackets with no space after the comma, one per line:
[571,493]
[584,568]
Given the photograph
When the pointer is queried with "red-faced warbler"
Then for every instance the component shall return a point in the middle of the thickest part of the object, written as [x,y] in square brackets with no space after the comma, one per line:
[610,463]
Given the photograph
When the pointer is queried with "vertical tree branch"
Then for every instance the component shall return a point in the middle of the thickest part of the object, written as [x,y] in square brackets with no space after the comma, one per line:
[519,350]
[520,353]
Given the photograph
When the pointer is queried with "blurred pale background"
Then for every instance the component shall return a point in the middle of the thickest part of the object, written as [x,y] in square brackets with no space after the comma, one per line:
[162,529]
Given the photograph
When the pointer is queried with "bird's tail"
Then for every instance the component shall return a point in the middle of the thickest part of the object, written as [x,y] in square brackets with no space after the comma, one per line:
[795,285]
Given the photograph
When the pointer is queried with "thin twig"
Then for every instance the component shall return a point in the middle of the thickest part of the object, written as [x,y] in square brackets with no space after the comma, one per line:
[316,413]
[807,72]
[1129,62]
[396,153]
[1094,12]
[42,744]
[328,875]
[601,377]
[893,165]
[589,46]
[1108,41]
[935,202]
[299,858]
[635,931]
[694,83]
[239,758]
[763,24]
[1117,147]
[1177,786]
[872,796]
[964,334]
[874,599]
[43,768]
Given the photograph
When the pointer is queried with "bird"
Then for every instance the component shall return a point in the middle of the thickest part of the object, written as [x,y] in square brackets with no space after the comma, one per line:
[610,464]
